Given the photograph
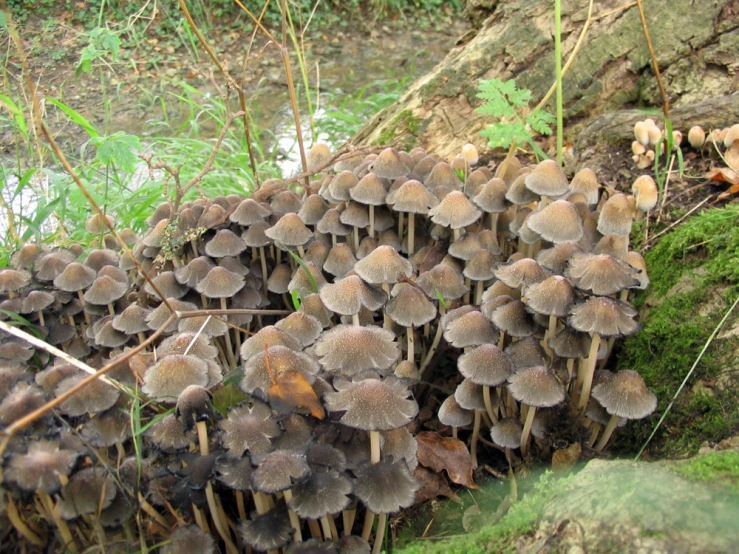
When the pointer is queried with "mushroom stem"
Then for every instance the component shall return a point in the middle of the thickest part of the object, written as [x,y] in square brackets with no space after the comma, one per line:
[604,361]
[401,220]
[332,524]
[411,232]
[111,310]
[369,520]
[66,534]
[594,434]
[589,371]
[263,261]
[372,220]
[550,332]
[294,520]
[82,299]
[227,337]
[355,319]
[301,252]
[240,506]
[387,322]
[347,518]
[326,529]
[356,238]
[374,447]
[411,340]
[454,432]
[494,223]
[381,524]
[570,368]
[475,436]
[468,284]
[457,234]
[260,502]
[527,429]
[489,403]
[478,293]
[200,519]
[434,344]
[315,530]
[607,432]
[41,317]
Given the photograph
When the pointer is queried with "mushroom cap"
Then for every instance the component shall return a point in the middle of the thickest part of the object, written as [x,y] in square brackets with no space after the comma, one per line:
[616,216]
[189,539]
[455,211]
[569,343]
[513,319]
[269,531]
[646,193]
[317,253]
[480,266]
[301,326]
[518,193]
[507,432]
[285,202]
[168,435]
[555,259]
[625,395]
[636,261]
[383,264]
[279,471]
[307,279]
[369,190]
[452,414]
[105,290]
[279,279]
[521,273]
[249,212]
[75,276]
[386,486]
[372,404]
[350,349]
[83,493]
[41,466]
[552,296]
[194,404]
[108,428]
[225,243]
[324,492]
[471,329]
[558,222]
[249,427]
[159,315]
[290,231]
[536,386]
[547,179]
[20,401]
[318,156]
[585,182]
[409,306]
[270,336]
[604,316]
[281,360]
[613,245]
[599,274]
[255,236]
[132,320]
[469,396]
[465,247]
[412,197]
[96,397]
[167,284]
[486,365]
[25,256]
[346,296]
[50,264]
[323,457]
[441,175]
[98,259]
[401,445]
[331,224]
[194,272]
[36,300]
[490,197]
[220,283]
[235,473]
[389,165]
[167,379]
[443,279]
[313,209]
[340,185]
[340,260]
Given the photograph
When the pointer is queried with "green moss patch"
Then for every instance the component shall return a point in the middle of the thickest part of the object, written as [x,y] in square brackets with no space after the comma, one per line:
[403,128]
[721,467]
[694,274]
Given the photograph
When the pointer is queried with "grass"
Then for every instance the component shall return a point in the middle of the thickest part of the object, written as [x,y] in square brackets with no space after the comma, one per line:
[703,255]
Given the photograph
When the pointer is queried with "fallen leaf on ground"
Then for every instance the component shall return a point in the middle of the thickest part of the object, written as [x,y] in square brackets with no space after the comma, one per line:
[444,453]
[291,390]
[725,175]
[432,485]
[564,458]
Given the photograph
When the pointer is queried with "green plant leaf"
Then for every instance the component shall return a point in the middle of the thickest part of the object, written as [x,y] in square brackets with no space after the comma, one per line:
[76,117]
[295,294]
[117,149]
[442,302]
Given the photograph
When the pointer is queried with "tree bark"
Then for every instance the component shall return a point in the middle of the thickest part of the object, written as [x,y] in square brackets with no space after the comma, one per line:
[696,43]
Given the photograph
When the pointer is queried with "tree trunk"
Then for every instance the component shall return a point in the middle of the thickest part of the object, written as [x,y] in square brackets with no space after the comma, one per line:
[696,43]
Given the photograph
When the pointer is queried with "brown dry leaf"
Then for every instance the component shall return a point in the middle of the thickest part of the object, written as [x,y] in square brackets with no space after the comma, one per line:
[564,459]
[723,175]
[290,390]
[732,155]
[432,485]
[443,453]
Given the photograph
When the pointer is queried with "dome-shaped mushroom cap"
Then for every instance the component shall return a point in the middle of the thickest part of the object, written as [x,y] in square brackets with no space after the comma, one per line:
[513,319]
[547,179]
[465,247]
[646,193]
[313,209]
[105,290]
[189,539]
[290,231]
[401,445]
[132,320]
[50,264]
[616,216]
[409,306]
[255,235]
[469,396]
[536,386]
[369,190]
[599,274]
[279,471]
[552,296]
[281,360]
[346,296]
[471,329]
[20,401]
[636,261]
[301,326]
[625,395]
[285,202]
[490,197]
[521,273]
[168,435]
[167,379]
[412,197]
[235,473]
[96,397]
[279,279]
[454,415]
[83,494]
[324,492]
[167,284]
[159,315]
[507,432]
[331,224]
[25,256]
[248,427]
[444,279]
[225,243]
[248,212]
[318,156]
[372,404]
[340,260]
[480,266]
[557,223]
[605,316]
[12,280]
[442,175]
[385,487]
[555,259]
[265,532]
[220,283]
[455,211]
[339,187]
[518,193]
[306,278]
[350,349]
[389,165]
[75,276]
[383,264]
[569,343]
[36,300]
[486,365]
[194,272]
[188,343]
[40,467]
[586,183]
[270,336]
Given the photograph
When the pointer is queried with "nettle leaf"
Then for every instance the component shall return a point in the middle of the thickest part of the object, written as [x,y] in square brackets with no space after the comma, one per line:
[118,149]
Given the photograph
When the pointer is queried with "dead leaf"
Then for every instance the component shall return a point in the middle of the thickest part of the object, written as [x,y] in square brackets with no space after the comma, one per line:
[443,453]
[732,155]
[291,390]
[564,459]
[432,485]
[723,175]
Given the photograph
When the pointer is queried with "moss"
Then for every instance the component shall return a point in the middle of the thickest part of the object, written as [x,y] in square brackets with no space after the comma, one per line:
[717,466]
[404,127]
[703,256]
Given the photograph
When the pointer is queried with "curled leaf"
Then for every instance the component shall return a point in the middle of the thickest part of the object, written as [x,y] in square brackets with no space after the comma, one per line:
[444,453]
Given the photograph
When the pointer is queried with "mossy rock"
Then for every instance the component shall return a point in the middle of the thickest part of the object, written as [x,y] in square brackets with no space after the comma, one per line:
[617,506]
[694,272]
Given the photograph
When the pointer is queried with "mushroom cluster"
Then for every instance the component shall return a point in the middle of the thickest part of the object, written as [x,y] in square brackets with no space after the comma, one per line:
[384,267]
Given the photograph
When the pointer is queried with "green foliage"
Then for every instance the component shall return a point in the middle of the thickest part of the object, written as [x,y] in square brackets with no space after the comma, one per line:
[118,149]
[102,43]
[506,103]
[716,466]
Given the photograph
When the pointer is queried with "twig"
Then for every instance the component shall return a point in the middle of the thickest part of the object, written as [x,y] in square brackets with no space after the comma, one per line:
[655,66]
[687,377]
